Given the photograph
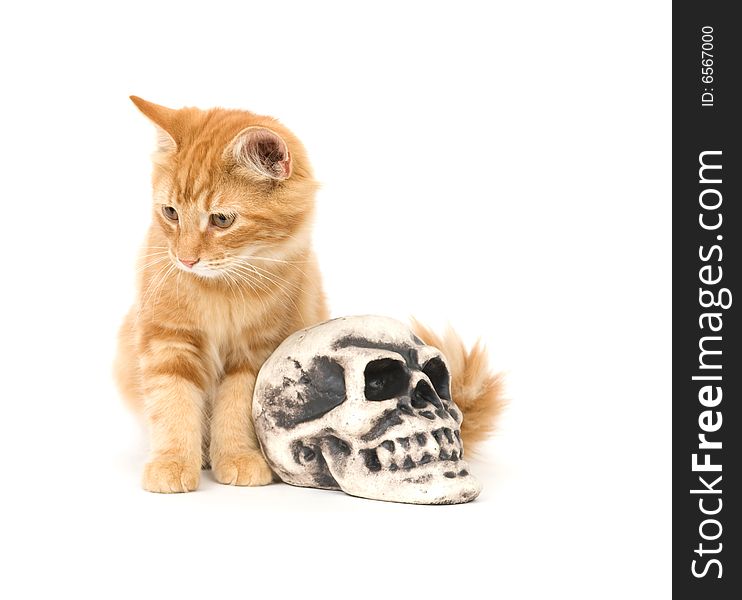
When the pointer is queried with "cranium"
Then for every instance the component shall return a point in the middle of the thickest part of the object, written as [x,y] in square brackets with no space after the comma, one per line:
[362,405]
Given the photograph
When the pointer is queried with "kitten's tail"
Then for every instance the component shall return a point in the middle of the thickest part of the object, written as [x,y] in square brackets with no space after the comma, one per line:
[477,391]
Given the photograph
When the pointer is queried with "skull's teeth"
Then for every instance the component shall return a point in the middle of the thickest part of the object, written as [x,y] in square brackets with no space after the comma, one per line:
[452,474]
[385,454]
[371,459]
[445,455]
[420,449]
[445,435]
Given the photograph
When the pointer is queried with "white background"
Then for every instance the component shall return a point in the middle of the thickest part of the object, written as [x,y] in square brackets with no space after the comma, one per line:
[502,167]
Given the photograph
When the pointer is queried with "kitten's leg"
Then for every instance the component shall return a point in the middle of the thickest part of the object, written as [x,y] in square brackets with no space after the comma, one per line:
[126,367]
[236,458]
[173,404]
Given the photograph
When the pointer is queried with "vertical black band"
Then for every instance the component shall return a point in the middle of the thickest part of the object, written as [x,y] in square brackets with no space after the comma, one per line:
[707,365]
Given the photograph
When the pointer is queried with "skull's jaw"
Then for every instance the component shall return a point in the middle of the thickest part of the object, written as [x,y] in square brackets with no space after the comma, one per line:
[430,489]
[416,467]
[334,466]
[434,483]
[438,492]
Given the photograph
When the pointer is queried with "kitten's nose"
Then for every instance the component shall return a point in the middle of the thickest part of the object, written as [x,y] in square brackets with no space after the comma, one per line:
[189,263]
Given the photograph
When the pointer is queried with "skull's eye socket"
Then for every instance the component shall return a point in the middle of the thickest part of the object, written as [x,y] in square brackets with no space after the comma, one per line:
[385,379]
[435,369]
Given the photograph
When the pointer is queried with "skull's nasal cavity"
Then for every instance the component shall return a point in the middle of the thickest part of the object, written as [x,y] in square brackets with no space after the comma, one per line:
[423,394]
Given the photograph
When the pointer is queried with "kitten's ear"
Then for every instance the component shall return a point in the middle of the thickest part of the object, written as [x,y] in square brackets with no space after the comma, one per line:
[262,151]
[164,120]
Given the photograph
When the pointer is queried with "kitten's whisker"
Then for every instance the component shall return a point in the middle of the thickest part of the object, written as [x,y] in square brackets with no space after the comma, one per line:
[270,274]
[246,280]
[150,264]
[255,280]
[288,294]
[160,286]
[253,275]
[150,256]
[227,278]
[239,287]
[269,277]
[288,262]
[146,294]
[159,282]
[153,282]
[292,264]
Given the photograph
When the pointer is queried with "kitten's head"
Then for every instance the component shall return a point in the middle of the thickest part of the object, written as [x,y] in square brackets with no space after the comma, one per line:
[227,185]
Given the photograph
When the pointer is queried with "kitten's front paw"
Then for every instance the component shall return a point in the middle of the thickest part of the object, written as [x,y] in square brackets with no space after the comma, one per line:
[242,469]
[170,475]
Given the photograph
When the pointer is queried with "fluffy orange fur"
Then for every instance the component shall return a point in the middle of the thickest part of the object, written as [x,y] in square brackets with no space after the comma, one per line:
[226,273]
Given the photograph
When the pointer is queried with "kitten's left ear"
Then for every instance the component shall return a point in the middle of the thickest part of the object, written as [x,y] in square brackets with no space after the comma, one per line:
[262,151]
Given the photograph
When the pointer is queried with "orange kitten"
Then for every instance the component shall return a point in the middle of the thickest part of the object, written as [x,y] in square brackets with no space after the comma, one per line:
[227,272]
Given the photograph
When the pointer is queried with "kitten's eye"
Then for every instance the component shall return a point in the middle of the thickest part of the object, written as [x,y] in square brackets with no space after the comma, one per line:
[170,213]
[222,221]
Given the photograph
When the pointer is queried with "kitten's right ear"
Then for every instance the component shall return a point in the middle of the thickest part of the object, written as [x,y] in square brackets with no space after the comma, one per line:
[164,120]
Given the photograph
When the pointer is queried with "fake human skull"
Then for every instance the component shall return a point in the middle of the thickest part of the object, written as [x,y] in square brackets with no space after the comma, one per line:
[362,405]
